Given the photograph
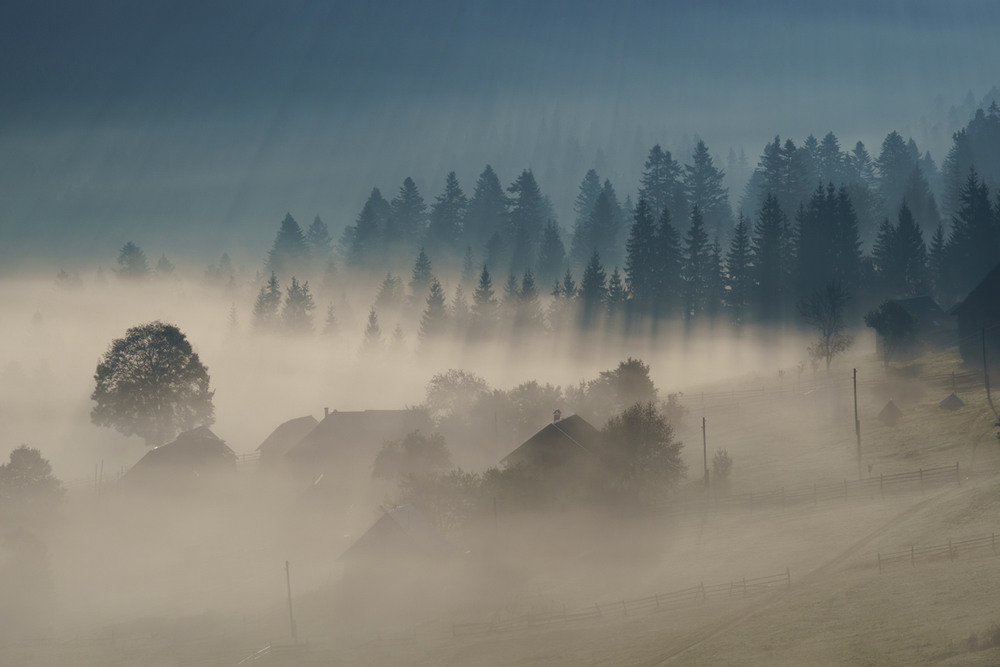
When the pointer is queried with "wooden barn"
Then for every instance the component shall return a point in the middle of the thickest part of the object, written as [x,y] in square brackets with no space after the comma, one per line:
[979,312]
[566,443]
[283,438]
[192,460]
[402,540]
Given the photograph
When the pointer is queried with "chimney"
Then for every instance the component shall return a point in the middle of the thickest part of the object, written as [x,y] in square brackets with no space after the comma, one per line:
[556,416]
[326,412]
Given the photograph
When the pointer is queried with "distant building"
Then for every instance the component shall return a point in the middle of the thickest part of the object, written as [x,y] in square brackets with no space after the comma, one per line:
[567,442]
[935,329]
[979,312]
[401,543]
[283,438]
[192,460]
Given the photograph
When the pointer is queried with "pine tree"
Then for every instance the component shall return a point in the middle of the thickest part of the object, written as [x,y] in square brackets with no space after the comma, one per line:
[529,317]
[895,164]
[668,260]
[936,263]
[593,291]
[973,247]
[911,255]
[662,185]
[831,162]
[373,343]
[330,326]
[132,264]
[551,254]
[739,273]
[363,240]
[862,168]
[407,223]
[509,301]
[715,282]
[290,251]
[487,211]
[319,242]
[847,244]
[484,307]
[641,261]
[390,293]
[422,274]
[460,313]
[468,270]
[697,257]
[434,322]
[444,232]
[265,309]
[617,296]
[527,220]
[297,312]
[771,261]
[703,187]
[164,267]
[583,207]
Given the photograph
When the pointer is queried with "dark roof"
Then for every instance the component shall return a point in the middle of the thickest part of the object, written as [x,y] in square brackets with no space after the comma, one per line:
[983,296]
[193,454]
[401,533]
[570,438]
[951,402]
[890,414]
[286,436]
[355,437]
[926,312]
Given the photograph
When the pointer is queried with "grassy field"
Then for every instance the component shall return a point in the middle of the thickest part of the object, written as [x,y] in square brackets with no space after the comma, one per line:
[782,432]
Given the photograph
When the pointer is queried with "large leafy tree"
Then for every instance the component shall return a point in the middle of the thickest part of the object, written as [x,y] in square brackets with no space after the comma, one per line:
[151,383]
[642,458]
[28,489]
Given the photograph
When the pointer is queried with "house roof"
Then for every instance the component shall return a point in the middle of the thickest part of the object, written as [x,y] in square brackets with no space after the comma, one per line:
[568,438]
[926,312]
[402,532]
[192,454]
[355,436]
[983,295]
[951,402]
[287,435]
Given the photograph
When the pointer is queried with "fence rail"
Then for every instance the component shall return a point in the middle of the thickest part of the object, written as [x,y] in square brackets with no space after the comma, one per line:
[921,478]
[656,602]
[951,550]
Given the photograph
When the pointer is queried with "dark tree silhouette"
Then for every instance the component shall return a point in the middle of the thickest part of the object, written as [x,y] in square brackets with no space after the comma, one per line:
[297,312]
[132,263]
[373,342]
[593,291]
[434,322]
[265,309]
[824,311]
[641,456]
[152,384]
[894,325]
[416,454]
[290,250]
[28,489]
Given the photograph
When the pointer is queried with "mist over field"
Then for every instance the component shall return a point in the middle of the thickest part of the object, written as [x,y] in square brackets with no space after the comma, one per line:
[493,333]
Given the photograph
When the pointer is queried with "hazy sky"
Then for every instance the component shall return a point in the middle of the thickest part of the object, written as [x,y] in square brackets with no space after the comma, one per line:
[197,125]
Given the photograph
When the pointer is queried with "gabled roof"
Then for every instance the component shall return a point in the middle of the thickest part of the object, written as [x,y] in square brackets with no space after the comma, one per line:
[570,438]
[356,435]
[951,402]
[890,414]
[401,533]
[926,312]
[193,454]
[287,435]
[983,295]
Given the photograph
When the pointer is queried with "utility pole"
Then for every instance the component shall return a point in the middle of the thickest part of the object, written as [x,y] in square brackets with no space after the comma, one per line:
[857,422]
[704,451]
[986,374]
[291,617]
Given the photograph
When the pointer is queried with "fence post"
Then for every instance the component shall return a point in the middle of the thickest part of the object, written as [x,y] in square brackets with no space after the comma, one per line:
[879,556]
[751,502]
[704,596]
[958,477]
[911,556]
[782,497]
[921,478]
[993,542]
[951,554]
[881,490]
[814,493]
[744,586]
[845,489]
[788,576]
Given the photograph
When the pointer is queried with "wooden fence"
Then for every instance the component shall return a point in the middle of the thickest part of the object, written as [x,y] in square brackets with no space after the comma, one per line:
[657,602]
[866,488]
[949,550]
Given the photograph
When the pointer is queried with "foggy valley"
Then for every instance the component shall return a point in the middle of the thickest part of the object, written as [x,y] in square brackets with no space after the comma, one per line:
[491,334]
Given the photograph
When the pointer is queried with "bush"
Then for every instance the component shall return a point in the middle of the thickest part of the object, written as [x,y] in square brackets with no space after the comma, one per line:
[722,465]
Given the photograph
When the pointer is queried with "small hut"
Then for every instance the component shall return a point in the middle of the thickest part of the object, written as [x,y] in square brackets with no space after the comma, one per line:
[402,540]
[189,460]
[890,414]
[951,402]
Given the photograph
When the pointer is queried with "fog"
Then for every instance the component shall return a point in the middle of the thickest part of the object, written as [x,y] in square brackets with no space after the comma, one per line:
[403,525]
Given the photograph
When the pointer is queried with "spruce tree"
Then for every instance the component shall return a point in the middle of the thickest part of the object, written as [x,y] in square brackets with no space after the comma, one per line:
[459,312]
[267,305]
[290,251]
[444,232]
[895,164]
[771,260]
[390,293]
[434,322]
[662,184]
[911,255]
[330,325]
[487,210]
[974,243]
[529,318]
[593,291]
[583,207]
[363,240]
[528,213]
[297,312]
[132,264]
[372,343]
[617,296]
[641,260]
[422,274]
[319,242]
[668,260]
[739,273]
[704,187]
[164,267]
[551,254]
[695,271]
[407,217]
[484,308]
